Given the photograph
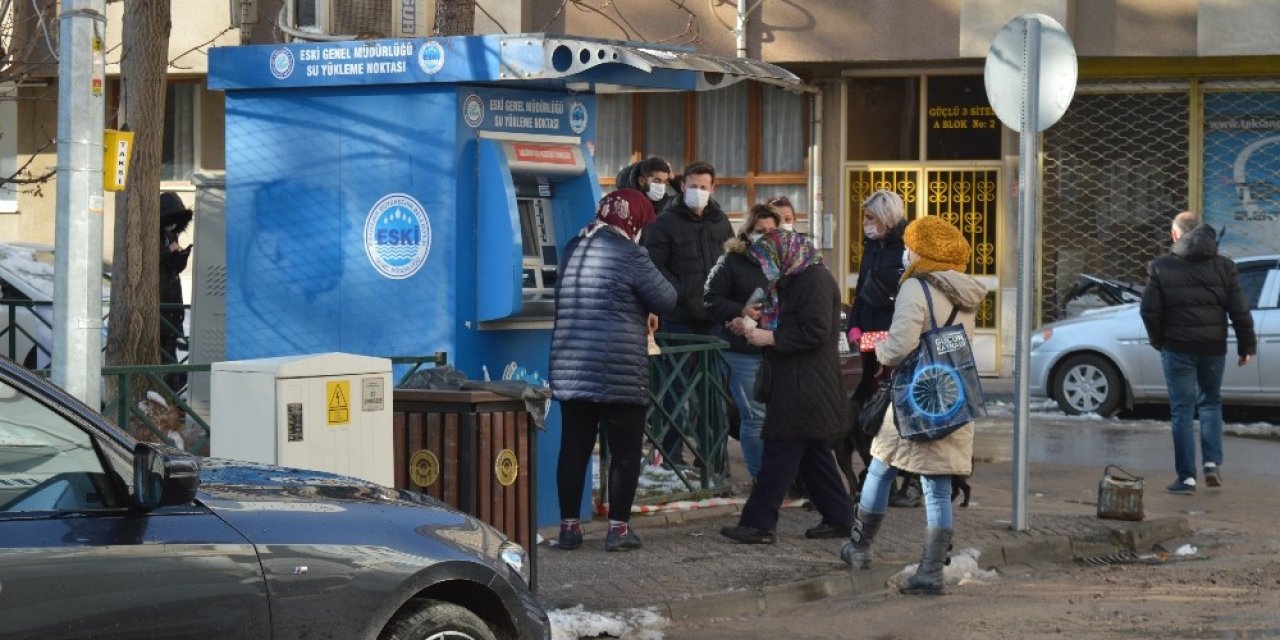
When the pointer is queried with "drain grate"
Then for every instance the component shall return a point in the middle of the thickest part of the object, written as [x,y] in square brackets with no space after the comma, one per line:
[1124,557]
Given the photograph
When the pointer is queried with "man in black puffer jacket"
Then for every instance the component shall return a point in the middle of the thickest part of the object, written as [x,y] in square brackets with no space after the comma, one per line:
[685,242]
[1189,296]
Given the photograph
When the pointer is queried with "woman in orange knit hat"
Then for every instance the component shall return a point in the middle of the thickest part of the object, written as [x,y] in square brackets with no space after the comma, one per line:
[936,257]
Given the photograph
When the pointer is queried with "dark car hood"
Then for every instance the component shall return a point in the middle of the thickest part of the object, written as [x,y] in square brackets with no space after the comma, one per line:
[276,505]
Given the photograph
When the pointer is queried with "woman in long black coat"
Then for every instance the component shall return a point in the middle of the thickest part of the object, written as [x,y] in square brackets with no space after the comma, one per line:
[805,404]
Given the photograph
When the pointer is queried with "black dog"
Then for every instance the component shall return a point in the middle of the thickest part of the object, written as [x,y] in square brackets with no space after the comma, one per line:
[855,441]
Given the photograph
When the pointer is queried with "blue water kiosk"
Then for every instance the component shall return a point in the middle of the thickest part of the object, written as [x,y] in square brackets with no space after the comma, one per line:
[397,197]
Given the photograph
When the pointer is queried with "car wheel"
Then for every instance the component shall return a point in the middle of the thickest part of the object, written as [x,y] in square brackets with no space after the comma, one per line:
[436,620]
[1088,383]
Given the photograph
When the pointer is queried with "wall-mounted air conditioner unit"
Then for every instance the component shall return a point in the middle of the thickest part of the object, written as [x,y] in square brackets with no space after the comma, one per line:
[361,18]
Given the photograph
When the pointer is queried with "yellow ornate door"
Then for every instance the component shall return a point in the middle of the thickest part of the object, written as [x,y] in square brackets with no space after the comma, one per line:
[966,196]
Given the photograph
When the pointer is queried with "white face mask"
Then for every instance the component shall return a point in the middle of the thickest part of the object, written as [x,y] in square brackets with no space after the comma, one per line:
[870,230]
[754,236]
[906,258]
[696,199]
[657,190]
[787,226]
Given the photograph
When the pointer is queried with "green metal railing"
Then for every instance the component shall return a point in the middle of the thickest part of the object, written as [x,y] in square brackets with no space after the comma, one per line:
[131,417]
[689,401]
[11,330]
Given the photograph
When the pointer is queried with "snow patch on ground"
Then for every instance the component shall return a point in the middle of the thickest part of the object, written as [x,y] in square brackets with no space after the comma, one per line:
[632,624]
[654,480]
[962,570]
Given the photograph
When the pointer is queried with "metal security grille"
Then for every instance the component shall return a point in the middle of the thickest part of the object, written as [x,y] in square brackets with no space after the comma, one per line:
[967,198]
[1115,173]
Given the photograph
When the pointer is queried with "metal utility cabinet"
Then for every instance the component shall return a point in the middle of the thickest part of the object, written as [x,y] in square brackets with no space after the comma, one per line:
[332,412]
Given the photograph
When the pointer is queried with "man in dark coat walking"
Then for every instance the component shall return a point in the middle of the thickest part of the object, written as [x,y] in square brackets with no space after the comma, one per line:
[1190,294]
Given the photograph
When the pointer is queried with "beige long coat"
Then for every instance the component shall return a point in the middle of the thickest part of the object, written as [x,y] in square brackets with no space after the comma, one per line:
[954,453]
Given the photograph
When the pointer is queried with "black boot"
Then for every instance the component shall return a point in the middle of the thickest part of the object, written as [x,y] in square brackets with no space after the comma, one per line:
[857,551]
[911,494]
[928,578]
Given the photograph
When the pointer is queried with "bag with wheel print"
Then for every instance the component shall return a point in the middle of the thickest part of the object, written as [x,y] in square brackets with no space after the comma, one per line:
[936,389]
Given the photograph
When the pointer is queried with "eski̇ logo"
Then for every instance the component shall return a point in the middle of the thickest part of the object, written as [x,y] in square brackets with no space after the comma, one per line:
[397,236]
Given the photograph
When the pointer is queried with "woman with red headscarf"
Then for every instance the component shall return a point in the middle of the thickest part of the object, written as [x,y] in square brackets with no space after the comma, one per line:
[607,288]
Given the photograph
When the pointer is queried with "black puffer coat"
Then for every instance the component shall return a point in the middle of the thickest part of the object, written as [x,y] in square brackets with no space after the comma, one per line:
[806,400]
[878,277]
[733,278]
[599,345]
[685,247]
[1190,294]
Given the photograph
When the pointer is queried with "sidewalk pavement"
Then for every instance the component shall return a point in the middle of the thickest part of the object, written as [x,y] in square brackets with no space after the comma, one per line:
[686,569]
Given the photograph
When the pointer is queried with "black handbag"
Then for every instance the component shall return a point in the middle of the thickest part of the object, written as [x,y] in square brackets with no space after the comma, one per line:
[936,389]
[872,410]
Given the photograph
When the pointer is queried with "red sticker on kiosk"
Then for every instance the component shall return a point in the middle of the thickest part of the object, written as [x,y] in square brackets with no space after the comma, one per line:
[543,153]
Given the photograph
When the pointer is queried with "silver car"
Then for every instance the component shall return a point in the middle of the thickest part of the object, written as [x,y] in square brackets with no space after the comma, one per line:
[1101,361]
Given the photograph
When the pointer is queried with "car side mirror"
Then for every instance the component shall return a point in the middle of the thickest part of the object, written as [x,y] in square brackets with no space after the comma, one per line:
[163,476]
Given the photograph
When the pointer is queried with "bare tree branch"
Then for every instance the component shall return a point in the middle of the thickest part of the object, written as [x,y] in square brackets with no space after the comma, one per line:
[174,62]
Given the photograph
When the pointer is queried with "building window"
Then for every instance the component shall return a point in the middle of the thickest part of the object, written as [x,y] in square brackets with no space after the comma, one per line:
[178,159]
[755,136]
[960,123]
[884,119]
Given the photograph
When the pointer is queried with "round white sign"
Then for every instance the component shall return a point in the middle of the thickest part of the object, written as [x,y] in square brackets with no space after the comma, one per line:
[1006,70]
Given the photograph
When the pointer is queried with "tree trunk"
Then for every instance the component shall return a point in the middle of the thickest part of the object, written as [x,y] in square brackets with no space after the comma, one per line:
[455,17]
[134,330]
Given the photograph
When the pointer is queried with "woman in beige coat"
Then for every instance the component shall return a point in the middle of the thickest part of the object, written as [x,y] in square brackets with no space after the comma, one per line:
[936,257]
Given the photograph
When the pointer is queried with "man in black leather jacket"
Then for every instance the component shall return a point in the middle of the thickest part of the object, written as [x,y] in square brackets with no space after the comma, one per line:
[1190,294]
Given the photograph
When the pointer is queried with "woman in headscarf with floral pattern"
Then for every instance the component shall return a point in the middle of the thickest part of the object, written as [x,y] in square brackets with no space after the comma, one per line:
[801,388]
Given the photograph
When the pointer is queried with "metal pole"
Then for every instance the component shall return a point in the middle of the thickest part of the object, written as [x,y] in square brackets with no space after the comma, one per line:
[741,30]
[77,300]
[1028,183]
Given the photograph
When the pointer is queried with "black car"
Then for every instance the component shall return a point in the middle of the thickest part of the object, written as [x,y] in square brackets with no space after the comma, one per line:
[102,536]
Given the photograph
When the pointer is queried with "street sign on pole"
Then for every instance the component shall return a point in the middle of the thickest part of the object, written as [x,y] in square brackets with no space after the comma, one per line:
[1030,78]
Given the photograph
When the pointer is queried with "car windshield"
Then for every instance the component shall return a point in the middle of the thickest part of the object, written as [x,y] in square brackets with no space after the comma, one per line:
[32,269]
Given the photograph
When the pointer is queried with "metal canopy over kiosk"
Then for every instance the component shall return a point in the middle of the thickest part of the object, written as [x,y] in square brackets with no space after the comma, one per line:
[407,196]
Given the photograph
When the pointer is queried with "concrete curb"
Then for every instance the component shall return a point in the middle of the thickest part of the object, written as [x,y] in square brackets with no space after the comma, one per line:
[1138,536]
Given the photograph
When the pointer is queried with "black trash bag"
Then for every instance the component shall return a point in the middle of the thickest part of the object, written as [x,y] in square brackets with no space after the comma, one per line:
[537,400]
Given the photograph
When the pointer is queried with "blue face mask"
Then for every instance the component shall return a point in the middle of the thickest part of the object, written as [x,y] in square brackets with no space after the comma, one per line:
[906,258]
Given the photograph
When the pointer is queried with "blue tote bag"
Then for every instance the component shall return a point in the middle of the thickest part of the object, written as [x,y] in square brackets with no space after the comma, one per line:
[936,389]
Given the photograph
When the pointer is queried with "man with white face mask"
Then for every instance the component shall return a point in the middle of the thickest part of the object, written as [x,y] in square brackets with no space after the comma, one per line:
[685,243]
[648,176]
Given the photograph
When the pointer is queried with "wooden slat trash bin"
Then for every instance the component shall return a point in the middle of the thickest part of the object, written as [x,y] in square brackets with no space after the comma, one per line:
[473,450]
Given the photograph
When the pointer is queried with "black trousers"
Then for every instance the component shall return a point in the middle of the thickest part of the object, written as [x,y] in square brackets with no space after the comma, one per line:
[815,464]
[581,423]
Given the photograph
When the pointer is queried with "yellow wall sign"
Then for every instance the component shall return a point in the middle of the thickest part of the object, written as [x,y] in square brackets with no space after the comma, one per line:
[339,395]
[117,148]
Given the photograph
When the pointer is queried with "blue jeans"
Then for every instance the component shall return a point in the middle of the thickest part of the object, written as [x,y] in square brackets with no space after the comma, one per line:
[937,494]
[1194,382]
[742,379]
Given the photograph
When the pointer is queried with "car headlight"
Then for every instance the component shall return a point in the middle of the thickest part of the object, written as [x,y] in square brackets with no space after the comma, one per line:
[516,558]
[1040,337]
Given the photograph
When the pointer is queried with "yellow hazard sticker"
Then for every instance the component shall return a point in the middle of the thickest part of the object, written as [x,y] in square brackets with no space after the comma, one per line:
[339,395]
